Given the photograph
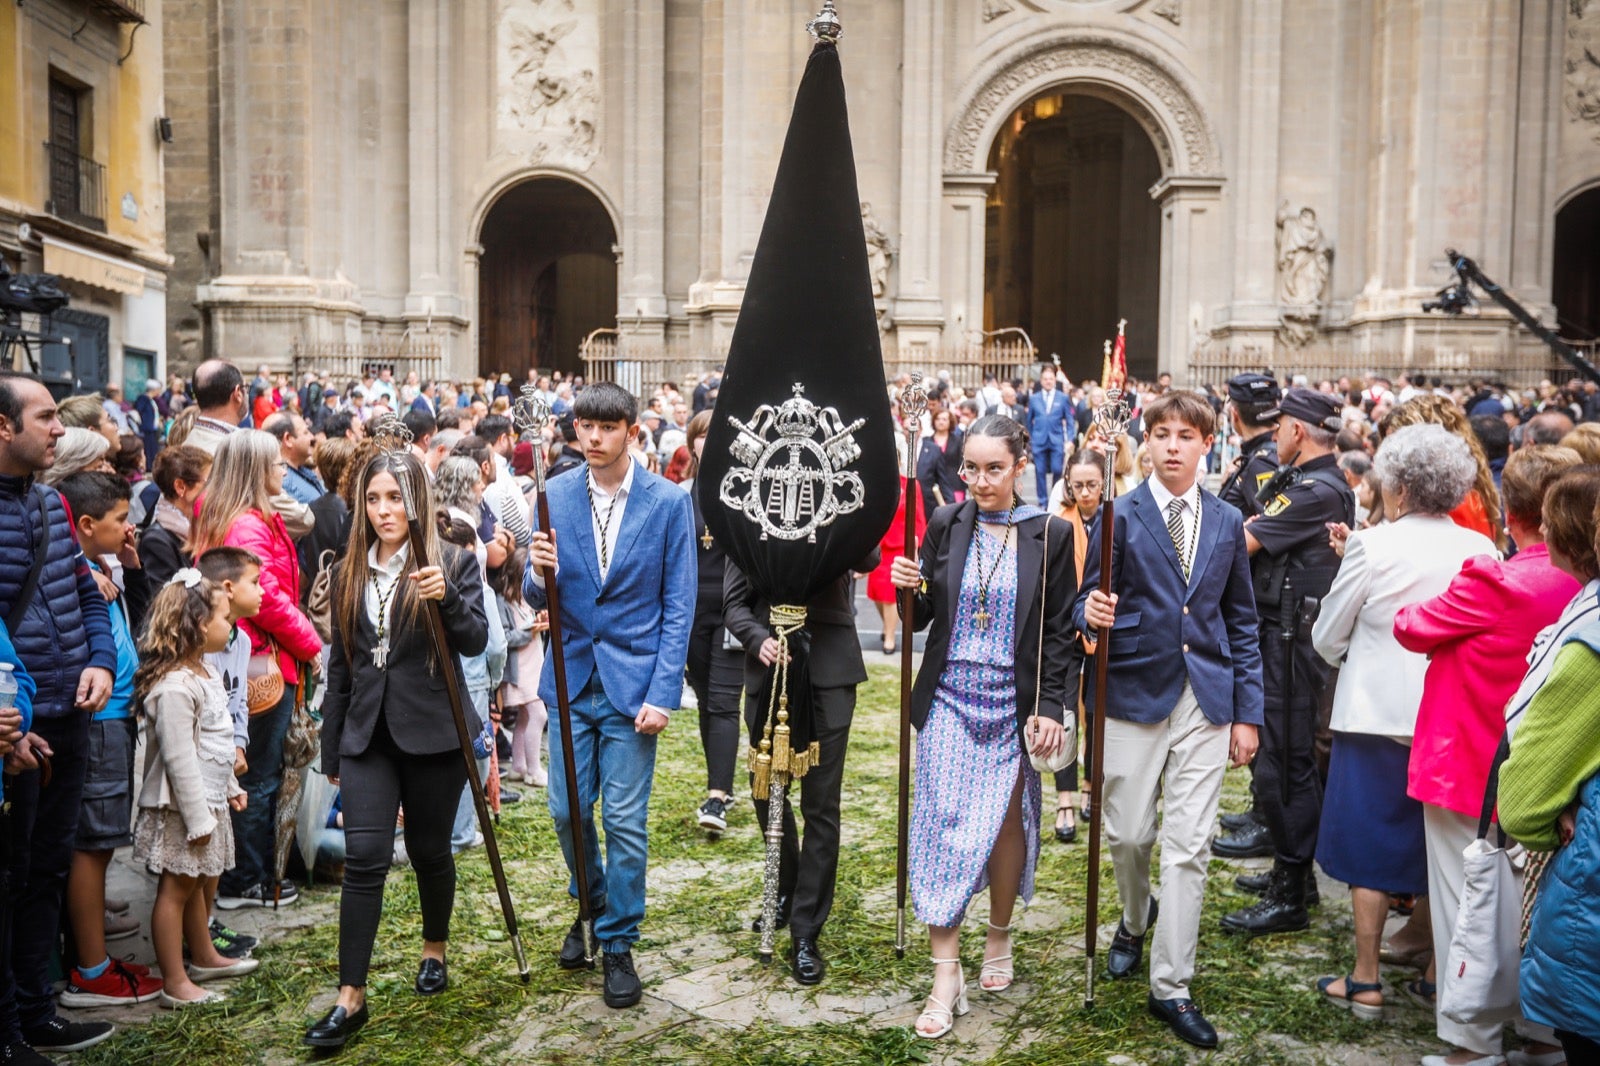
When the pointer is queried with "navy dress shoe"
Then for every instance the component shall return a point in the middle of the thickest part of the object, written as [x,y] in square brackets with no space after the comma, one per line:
[1185,1019]
[1127,950]
[808,965]
[432,977]
[336,1028]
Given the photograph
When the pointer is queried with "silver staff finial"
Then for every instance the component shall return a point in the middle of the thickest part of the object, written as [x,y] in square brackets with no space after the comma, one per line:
[913,405]
[1111,418]
[531,412]
[826,26]
[390,434]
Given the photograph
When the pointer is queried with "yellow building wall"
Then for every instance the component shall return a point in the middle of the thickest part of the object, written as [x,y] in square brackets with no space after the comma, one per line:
[15,160]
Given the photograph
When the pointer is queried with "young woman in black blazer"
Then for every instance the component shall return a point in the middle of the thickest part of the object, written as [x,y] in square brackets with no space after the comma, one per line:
[995,584]
[387,734]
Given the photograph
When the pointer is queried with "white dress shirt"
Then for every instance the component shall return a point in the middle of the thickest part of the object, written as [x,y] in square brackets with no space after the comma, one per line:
[381,589]
[1190,514]
[607,510]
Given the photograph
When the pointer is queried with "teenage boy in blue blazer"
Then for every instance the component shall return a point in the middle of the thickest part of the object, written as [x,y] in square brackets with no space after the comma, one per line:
[623,549]
[1184,695]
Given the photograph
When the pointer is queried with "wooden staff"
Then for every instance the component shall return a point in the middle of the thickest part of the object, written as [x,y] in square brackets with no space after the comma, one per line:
[533,413]
[395,439]
[913,402]
[1112,419]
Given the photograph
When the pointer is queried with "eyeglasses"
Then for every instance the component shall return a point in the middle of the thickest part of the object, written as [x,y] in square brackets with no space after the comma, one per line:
[992,476]
[1086,486]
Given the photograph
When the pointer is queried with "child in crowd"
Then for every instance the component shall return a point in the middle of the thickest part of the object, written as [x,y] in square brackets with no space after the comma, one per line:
[180,471]
[183,830]
[237,572]
[519,691]
[99,507]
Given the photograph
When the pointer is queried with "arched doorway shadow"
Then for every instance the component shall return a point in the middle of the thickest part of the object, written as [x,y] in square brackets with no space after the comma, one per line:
[1575,281]
[547,277]
[1073,236]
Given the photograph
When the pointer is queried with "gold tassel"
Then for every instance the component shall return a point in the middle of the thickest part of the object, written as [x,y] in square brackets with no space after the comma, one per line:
[774,756]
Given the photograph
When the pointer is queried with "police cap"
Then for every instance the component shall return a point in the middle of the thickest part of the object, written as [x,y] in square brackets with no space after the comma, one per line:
[1309,405]
[1253,389]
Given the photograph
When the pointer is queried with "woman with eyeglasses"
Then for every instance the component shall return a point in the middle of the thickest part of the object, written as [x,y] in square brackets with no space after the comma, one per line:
[995,585]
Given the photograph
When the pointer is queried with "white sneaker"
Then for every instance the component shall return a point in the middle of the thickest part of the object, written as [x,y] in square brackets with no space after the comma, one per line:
[1481,1060]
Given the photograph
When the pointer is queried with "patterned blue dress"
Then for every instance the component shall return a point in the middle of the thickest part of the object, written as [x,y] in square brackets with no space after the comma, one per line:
[968,753]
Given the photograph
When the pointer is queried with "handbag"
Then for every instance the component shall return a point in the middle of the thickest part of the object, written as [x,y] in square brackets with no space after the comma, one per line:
[319,601]
[303,740]
[1478,980]
[263,681]
[1067,754]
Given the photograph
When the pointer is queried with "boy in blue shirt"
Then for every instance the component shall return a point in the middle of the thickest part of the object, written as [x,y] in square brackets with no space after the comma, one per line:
[99,508]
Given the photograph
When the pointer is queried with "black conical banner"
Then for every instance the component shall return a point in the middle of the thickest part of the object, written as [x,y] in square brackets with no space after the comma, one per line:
[798,480]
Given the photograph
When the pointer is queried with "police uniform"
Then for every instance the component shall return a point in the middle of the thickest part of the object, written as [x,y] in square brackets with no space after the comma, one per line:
[1258,456]
[1292,571]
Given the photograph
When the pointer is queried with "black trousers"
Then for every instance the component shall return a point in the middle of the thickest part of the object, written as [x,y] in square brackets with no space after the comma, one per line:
[44,823]
[372,787]
[1288,748]
[717,676]
[807,870]
[1579,1049]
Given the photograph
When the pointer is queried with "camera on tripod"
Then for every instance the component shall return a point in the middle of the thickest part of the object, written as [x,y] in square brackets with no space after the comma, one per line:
[38,294]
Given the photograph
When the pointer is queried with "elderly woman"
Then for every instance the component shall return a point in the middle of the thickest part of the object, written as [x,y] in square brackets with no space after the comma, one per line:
[1371,835]
[1477,634]
[77,451]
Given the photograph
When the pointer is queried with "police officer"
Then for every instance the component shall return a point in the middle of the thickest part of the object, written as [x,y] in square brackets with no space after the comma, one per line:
[1251,396]
[1293,568]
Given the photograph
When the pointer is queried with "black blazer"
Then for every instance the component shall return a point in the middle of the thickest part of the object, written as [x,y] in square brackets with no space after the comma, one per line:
[835,648]
[940,467]
[943,559]
[410,694]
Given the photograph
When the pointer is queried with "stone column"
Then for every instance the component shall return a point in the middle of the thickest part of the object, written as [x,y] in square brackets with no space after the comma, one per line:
[1190,228]
[641,288]
[918,309]
[430,63]
[1253,312]
[965,204]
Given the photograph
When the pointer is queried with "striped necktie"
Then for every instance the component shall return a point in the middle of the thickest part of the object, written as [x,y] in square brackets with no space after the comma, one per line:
[1175,528]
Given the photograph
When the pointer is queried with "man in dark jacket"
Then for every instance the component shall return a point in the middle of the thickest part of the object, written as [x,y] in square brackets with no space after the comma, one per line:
[62,631]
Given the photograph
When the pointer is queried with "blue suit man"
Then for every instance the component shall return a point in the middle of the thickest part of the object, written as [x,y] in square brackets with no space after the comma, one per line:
[1049,412]
[624,552]
[1184,683]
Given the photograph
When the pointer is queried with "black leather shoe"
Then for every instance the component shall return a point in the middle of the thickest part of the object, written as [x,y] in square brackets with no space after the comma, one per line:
[1127,950]
[622,983]
[572,954]
[1246,844]
[1257,885]
[335,1028]
[432,977]
[1281,910]
[783,916]
[808,965]
[1185,1019]
[1233,823]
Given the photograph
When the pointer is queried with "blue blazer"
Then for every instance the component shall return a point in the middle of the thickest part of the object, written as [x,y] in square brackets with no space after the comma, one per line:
[634,628]
[1048,430]
[1167,629]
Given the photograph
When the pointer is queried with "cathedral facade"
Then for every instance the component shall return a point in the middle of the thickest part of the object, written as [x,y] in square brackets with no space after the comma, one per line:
[505,184]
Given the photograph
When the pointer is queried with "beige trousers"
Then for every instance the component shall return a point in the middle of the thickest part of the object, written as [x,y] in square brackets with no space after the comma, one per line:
[1183,760]
[1447,835]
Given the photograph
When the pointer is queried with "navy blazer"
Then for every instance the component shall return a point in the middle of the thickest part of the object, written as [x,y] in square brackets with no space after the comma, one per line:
[1167,629]
[1048,430]
[633,628]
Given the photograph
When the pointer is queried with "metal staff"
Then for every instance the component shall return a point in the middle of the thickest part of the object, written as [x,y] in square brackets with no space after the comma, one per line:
[913,402]
[394,439]
[531,412]
[1111,418]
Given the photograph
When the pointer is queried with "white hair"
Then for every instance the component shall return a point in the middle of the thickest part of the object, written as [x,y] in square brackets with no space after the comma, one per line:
[1431,466]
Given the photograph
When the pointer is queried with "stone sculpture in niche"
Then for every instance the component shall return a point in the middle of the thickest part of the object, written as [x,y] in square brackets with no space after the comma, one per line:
[1304,259]
[1581,64]
[879,251]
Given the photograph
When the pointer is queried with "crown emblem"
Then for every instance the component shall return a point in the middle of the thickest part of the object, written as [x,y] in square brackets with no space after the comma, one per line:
[792,481]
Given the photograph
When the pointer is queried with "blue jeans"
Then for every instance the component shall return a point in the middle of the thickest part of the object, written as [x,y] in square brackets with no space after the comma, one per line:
[255,827]
[466,810]
[617,765]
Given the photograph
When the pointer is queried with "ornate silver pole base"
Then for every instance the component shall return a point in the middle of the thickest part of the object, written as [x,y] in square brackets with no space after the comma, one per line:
[522,958]
[1088,978]
[900,932]
[769,873]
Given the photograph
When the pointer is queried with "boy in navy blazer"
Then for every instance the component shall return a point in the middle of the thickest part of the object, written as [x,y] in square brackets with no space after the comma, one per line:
[1184,695]
[623,549]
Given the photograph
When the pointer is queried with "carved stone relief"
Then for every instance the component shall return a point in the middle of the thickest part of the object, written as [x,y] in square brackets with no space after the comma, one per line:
[879,251]
[1171,10]
[1304,258]
[993,9]
[1581,63]
[548,57]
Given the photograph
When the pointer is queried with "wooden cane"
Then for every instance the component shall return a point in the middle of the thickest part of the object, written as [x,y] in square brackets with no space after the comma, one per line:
[913,401]
[1112,417]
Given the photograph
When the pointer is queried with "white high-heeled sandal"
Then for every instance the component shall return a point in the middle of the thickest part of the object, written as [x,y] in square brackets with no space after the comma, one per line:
[938,1008]
[992,967]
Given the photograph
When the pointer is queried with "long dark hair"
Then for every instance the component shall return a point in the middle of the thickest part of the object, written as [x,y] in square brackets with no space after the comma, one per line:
[350,586]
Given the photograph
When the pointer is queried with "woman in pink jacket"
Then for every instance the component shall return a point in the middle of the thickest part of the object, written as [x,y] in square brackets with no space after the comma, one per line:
[237,511]
[1477,634]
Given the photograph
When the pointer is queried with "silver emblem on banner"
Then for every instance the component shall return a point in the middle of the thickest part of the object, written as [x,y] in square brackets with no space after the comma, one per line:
[793,479]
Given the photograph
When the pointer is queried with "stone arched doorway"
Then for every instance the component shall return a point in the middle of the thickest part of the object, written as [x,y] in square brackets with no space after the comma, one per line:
[1134,85]
[1575,281]
[547,277]
[1074,238]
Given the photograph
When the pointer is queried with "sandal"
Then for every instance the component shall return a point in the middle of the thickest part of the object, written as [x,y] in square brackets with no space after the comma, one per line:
[1367,1012]
[938,1009]
[1069,832]
[1423,993]
[992,967]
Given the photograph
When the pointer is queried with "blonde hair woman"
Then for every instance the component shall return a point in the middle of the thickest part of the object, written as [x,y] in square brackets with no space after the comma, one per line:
[237,511]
